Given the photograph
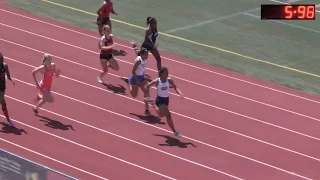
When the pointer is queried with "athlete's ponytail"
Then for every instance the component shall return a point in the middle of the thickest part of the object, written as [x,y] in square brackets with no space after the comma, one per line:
[150,20]
[1,57]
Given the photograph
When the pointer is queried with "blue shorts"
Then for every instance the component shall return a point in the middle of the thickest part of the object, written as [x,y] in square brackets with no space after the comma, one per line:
[132,80]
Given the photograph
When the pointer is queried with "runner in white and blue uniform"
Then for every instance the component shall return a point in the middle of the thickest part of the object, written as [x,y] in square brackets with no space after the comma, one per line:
[162,100]
[137,78]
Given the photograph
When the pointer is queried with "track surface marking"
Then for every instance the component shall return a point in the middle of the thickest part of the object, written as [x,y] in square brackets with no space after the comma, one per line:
[233,130]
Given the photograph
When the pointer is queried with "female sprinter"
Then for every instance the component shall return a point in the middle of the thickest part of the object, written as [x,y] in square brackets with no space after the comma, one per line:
[106,56]
[137,78]
[150,40]
[47,70]
[162,100]
[103,15]
[4,70]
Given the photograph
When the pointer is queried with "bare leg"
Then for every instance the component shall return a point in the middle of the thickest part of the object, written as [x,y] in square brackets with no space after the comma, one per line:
[39,103]
[4,108]
[156,55]
[113,64]
[133,89]
[46,97]
[170,122]
[104,65]
[163,109]
[146,95]
[100,26]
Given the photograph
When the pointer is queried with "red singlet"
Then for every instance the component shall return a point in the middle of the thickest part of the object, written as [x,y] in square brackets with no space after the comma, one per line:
[46,79]
[107,42]
[105,12]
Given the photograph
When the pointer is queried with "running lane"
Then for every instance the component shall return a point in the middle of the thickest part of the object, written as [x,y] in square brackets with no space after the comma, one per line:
[82,95]
[69,153]
[95,98]
[195,75]
[307,128]
[276,116]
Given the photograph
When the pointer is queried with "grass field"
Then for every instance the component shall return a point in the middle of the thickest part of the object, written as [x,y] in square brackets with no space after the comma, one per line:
[231,25]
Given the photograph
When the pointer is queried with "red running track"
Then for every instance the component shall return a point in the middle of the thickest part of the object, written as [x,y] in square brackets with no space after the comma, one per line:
[229,131]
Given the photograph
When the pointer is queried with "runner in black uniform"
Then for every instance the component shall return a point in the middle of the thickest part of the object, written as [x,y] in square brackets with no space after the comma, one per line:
[150,40]
[4,70]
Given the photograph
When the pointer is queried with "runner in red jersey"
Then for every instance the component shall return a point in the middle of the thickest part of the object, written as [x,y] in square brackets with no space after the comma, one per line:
[47,70]
[103,15]
[106,56]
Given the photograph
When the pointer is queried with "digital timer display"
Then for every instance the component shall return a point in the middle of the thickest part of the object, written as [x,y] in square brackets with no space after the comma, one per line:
[288,12]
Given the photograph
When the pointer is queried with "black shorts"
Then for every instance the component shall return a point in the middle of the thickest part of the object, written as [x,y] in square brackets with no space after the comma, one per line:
[162,100]
[106,57]
[3,87]
[102,20]
[147,46]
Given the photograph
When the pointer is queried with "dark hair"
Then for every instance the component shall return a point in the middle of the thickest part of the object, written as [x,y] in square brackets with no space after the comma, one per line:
[1,56]
[142,51]
[162,70]
[151,20]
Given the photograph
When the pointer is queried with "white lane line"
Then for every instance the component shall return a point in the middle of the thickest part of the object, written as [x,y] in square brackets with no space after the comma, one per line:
[197,120]
[186,64]
[209,21]
[92,149]
[198,141]
[234,132]
[116,135]
[52,159]
[276,107]
[229,111]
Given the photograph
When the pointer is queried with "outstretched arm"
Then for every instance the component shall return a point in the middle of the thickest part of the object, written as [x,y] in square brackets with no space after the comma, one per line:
[175,87]
[152,83]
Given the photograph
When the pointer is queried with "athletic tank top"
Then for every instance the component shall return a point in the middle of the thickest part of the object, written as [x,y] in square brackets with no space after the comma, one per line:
[46,78]
[163,88]
[106,10]
[107,42]
[153,36]
[141,68]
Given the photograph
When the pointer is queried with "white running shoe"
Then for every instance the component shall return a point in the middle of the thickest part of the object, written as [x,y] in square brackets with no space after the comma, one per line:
[177,134]
[99,80]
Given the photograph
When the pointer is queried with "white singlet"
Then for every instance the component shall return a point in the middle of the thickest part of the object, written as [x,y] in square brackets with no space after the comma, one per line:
[141,67]
[163,88]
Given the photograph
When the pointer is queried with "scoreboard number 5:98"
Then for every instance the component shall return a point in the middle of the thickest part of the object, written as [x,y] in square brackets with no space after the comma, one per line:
[301,11]
[288,12]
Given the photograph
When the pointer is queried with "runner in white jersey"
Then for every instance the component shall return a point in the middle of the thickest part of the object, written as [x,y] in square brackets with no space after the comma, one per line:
[162,100]
[137,78]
